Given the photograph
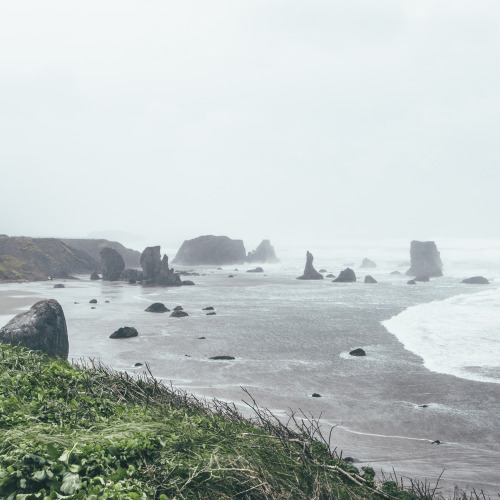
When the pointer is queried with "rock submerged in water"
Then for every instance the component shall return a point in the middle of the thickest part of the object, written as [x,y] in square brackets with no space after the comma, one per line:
[227,358]
[125,332]
[358,352]
[263,253]
[370,279]
[211,313]
[315,395]
[346,276]
[208,308]
[179,314]
[41,328]
[157,307]
[367,263]
[209,249]
[330,275]
[112,264]
[476,280]
[411,282]
[256,270]
[93,301]
[59,285]
[425,259]
[309,272]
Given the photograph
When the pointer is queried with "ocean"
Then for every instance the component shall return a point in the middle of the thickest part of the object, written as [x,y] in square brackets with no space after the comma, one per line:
[432,365]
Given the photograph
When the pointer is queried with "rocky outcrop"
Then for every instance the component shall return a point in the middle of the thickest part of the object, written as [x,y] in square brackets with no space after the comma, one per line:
[179,314]
[370,279]
[256,270]
[40,258]
[345,276]
[216,250]
[93,248]
[425,259]
[157,307]
[263,253]
[155,270]
[42,328]
[94,276]
[367,263]
[309,272]
[411,282]
[132,275]
[112,264]
[59,285]
[476,280]
[125,332]
[358,352]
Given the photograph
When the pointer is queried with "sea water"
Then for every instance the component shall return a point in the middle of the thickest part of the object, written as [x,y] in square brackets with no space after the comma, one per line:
[430,371]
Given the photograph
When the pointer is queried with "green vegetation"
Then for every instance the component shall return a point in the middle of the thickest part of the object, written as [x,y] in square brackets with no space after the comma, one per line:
[88,432]
[11,268]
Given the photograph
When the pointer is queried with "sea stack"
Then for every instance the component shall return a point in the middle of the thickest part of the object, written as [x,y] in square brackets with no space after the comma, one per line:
[263,253]
[309,272]
[425,259]
[42,328]
[211,250]
[346,276]
[367,263]
[112,264]
[155,269]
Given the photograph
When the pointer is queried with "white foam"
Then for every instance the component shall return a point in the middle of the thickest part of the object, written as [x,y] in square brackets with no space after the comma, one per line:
[458,336]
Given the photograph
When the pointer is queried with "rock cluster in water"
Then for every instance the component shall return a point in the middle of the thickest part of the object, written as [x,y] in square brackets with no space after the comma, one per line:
[155,269]
[425,259]
[42,328]
[309,272]
[263,253]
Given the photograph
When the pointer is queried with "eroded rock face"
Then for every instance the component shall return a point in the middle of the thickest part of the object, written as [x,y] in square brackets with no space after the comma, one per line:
[309,272]
[217,250]
[263,253]
[476,280]
[368,263]
[425,259]
[345,276]
[155,270]
[42,328]
[112,264]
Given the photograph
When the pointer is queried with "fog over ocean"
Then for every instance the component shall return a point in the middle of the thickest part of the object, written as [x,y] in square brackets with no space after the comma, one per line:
[433,344]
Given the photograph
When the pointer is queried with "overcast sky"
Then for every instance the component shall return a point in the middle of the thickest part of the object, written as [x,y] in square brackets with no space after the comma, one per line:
[255,119]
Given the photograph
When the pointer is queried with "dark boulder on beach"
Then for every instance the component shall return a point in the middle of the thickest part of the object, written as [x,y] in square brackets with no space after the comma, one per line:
[157,307]
[59,285]
[94,276]
[222,357]
[309,272]
[263,253]
[425,259]
[346,276]
[476,280]
[211,313]
[209,249]
[125,332]
[41,328]
[178,314]
[315,395]
[367,263]
[358,352]
[93,301]
[112,264]
[370,279]
[256,270]
[411,282]
[138,364]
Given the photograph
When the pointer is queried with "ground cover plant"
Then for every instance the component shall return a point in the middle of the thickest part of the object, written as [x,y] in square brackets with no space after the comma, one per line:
[88,432]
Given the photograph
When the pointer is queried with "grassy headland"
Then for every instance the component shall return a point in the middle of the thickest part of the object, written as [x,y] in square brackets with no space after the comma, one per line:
[89,432]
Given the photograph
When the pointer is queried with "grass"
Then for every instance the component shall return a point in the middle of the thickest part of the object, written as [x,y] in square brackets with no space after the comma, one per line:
[88,432]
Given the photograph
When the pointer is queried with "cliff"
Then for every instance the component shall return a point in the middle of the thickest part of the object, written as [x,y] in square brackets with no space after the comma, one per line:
[38,258]
[93,248]
[212,250]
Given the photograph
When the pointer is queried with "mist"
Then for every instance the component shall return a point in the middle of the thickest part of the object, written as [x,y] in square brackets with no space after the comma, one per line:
[281,120]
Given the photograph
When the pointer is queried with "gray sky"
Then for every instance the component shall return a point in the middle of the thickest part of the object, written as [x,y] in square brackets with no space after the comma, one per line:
[256,119]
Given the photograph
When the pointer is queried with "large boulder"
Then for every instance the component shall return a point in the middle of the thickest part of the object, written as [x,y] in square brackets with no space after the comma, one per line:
[425,259]
[112,264]
[476,280]
[157,307]
[216,250]
[370,279]
[309,272]
[367,263]
[263,253]
[125,332]
[345,276]
[42,328]
[155,269]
